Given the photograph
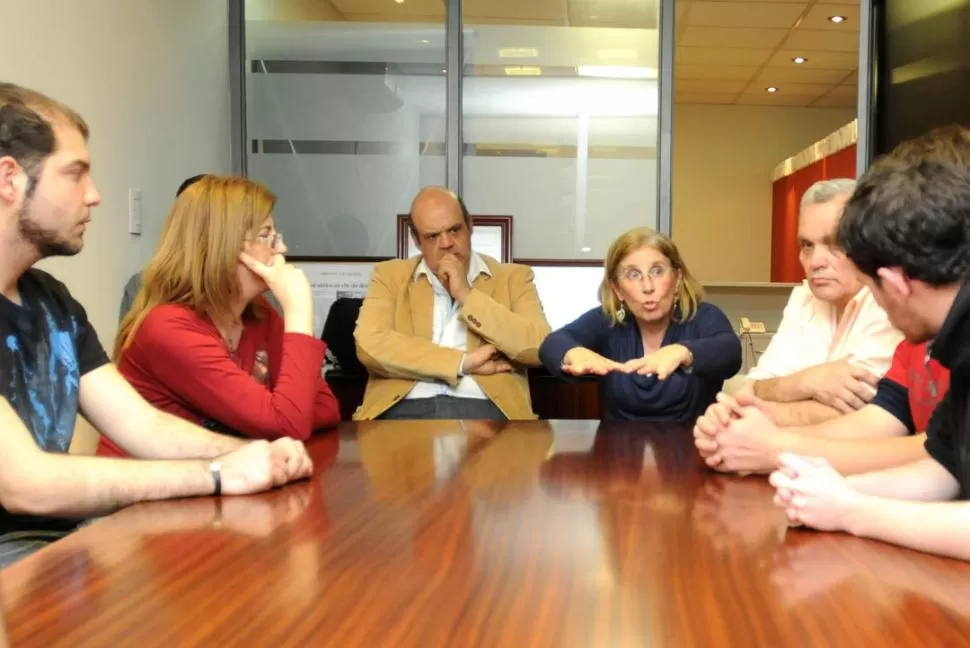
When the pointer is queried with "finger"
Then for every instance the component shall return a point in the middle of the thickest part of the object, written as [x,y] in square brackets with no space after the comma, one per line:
[722,414]
[707,426]
[800,465]
[705,446]
[851,399]
[780,480]
[865,376]
[864,391]
[730,403]
[714,460]
[664,372]
[501,366]
[746,399]
[798,501]
[258,268]
[840,405]
[631,365]
[819,462]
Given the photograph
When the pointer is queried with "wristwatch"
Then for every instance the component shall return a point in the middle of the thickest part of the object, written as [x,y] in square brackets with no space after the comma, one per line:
[215,469]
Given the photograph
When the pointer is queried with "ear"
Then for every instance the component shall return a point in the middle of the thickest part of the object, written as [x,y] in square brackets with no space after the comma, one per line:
[13,180]
[894,281]
[616,292]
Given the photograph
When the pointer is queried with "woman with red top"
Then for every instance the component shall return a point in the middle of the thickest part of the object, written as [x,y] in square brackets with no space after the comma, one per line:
[201,342]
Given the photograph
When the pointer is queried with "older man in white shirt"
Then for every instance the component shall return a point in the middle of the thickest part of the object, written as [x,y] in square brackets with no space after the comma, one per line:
[834,342]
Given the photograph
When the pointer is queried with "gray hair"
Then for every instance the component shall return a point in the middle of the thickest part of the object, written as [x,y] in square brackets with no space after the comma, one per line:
[825,191]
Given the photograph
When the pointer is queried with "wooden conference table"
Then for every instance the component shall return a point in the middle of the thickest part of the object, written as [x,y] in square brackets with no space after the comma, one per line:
[562,533]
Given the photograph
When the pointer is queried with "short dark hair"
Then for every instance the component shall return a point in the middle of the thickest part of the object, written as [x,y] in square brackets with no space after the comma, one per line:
[26,127]
[188,182]
[911,210]
[464,214]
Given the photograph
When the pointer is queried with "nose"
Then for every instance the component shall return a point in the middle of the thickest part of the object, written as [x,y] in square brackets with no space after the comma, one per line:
[646,284]
[92,198]
[445,240]
[820,258]
[281,247]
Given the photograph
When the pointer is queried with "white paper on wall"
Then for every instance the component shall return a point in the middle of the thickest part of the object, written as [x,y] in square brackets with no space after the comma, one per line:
[331,281]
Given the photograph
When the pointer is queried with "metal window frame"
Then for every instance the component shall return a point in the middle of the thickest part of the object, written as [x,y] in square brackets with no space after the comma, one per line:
[665,118]
[455,79]
[237,86]
[866,123]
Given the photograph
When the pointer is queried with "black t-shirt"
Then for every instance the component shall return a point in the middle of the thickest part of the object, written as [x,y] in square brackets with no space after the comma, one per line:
[46,345]
[942,446]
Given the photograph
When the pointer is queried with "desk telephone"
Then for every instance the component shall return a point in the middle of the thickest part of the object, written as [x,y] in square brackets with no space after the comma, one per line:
[747,326]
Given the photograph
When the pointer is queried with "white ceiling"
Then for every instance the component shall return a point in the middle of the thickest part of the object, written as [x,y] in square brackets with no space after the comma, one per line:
[727,51]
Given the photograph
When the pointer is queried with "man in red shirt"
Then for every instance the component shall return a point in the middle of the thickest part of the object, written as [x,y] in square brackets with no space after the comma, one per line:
[739,435]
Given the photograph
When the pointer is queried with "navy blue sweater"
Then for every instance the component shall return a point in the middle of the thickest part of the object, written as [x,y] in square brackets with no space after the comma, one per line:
[630,397]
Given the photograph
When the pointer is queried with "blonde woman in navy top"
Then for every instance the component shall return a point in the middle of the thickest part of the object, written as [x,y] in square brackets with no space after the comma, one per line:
[660,352]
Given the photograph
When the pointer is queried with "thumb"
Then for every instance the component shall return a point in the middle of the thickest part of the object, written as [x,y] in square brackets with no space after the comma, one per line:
[746,399]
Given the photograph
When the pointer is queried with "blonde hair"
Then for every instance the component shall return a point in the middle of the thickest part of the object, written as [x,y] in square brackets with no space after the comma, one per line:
[689,292]
[197,257]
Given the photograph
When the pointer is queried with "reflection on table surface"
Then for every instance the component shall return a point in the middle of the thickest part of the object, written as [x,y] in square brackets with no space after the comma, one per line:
[466,533]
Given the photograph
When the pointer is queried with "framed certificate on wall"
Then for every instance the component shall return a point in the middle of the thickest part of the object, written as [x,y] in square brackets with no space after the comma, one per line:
[491,235]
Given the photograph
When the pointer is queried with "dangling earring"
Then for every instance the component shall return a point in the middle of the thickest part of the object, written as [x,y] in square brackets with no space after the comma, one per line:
[620,313]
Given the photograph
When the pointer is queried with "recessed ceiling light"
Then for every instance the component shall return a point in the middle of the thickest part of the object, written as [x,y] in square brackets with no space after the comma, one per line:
[798,60]
[587,249]
[444,71]
[399,1]
[771,89]
[425,41]
[835,19]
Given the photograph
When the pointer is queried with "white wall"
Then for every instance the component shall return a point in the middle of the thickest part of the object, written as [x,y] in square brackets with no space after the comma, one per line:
[151,77]
[723,160]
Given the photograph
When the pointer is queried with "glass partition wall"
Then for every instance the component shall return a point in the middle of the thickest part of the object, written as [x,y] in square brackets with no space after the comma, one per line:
[548,111]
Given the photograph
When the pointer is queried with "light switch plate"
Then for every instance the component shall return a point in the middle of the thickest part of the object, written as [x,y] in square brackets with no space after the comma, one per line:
[134,211]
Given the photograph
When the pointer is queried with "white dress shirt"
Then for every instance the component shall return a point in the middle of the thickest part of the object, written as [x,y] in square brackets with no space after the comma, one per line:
[449,331]
[810,334]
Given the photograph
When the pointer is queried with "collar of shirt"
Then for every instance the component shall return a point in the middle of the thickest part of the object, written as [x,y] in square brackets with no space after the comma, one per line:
[476,266]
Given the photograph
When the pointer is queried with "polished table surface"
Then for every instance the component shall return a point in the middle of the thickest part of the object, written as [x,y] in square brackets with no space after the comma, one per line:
[447,533]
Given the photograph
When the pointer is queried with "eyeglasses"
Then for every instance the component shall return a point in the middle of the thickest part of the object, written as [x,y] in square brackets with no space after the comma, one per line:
[655,273]
[272,239]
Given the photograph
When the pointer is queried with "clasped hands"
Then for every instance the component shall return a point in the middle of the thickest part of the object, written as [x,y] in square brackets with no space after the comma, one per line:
[738,434]
[580,361]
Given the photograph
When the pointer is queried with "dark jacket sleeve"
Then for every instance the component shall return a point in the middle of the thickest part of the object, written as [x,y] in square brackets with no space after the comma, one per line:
[716,347]
[589,331]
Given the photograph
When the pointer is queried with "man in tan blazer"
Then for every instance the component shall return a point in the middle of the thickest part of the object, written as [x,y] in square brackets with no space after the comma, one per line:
[450,333]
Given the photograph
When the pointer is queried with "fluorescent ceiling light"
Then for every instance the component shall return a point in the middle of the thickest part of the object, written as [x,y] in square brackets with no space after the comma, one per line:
[617,72]
[520,70]
[621,54]
[518,52]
